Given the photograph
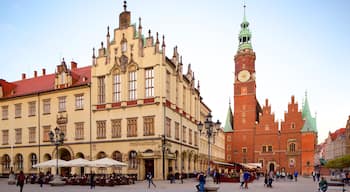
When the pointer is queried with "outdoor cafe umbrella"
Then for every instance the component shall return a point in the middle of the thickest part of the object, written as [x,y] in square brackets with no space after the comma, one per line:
[79,162]
[107,162]
[51,163]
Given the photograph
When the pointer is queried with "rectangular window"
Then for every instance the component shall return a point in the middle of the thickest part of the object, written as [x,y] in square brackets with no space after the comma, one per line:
[167,84]
[190,136]
[168,126]
[79,131]
[184,134]
[5,112]
[132,127]
[116,128]
[264,150]
[149,80]
[62,104]
[79,101]
[101,88]
[101,129]
[244,150]
[18,136]
[177,131]
[32,134]
[116,88]
[229,138]
[132,85]
[195,138]
[31,108]
[46,106]
[18,110]
[5,137]
[46,131]
[148,126]
[269,148]
[229,147]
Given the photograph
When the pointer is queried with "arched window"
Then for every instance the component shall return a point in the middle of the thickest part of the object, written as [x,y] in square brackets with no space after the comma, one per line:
[19,161]
[33,159]
[6,162]
[117,156]
[133,160]
[292,147]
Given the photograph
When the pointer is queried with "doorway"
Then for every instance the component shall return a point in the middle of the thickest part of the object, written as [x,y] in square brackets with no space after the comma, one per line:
[149,166]
[272,167]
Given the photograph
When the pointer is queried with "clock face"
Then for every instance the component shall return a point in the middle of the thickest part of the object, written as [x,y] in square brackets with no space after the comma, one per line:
[243,76]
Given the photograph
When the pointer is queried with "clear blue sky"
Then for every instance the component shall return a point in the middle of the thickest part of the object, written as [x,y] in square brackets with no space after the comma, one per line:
[300,45]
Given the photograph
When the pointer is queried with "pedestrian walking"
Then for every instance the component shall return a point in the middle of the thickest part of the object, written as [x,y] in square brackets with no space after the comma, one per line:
[246,176]
[313,175]
[201,179]
[217,177]
[181,177]
[20,180]
[323,185]
[296,175]
[270,179]
[92,180]
[149,178]
[241,179]
[41,179]
[318,175]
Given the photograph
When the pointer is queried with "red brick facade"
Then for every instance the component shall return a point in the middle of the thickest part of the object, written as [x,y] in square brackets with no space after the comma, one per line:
[257,137]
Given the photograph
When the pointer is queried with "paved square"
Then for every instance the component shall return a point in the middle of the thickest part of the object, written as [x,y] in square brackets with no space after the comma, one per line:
[303,185]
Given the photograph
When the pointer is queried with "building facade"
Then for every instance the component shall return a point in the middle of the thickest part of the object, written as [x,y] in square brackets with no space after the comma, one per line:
[133,104]
[253,135]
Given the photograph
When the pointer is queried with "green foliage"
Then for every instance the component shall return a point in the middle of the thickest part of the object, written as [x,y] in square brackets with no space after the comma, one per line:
[339,163]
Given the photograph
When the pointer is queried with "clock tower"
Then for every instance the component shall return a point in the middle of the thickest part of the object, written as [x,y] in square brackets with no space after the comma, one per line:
[246,107]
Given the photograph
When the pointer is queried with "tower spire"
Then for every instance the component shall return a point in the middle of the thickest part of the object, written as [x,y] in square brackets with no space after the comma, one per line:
[244,35]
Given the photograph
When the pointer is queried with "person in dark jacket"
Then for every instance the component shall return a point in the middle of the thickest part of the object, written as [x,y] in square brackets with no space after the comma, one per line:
[20,180]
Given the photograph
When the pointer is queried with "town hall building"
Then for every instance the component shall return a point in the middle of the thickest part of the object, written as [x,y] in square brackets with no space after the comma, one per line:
[253,135]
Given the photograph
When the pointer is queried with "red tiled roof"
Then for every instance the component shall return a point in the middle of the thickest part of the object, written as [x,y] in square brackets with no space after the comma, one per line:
[337,133]
[44,83]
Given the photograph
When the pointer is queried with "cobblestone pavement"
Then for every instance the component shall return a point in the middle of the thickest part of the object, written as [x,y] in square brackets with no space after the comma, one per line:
[303,185]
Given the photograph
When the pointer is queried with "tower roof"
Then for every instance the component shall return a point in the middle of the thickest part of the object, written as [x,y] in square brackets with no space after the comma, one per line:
[309,121]
[244,35]
[229,121]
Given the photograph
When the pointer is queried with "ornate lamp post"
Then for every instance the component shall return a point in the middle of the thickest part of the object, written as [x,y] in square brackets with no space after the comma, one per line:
[164,147]
[57,138]
[211,128]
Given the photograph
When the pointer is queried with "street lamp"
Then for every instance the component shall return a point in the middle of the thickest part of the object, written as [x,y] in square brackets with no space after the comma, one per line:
[211,128]
[57,138]
[164,147]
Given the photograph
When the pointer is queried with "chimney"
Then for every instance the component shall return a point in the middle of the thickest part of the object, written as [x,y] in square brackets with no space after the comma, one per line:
[23,76]
[35,74]
[73,65]
[44,71]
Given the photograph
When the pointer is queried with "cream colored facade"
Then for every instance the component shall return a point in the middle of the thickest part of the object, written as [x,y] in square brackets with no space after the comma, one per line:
[137,105]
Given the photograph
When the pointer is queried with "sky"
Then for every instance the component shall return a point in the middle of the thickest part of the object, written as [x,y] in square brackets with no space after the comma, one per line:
[300,45]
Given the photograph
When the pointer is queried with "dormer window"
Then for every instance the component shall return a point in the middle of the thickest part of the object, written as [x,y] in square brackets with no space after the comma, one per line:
[63,78]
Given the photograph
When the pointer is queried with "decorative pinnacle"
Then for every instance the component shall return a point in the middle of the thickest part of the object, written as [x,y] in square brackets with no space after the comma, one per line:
[163,43]
[140,27]
[108,31]
[149,33]
[124,5]
[244,7]
[157,40]
[93,53]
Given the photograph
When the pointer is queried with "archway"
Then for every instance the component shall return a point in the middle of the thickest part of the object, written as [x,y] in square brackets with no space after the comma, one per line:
[64,154]
[81,169]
